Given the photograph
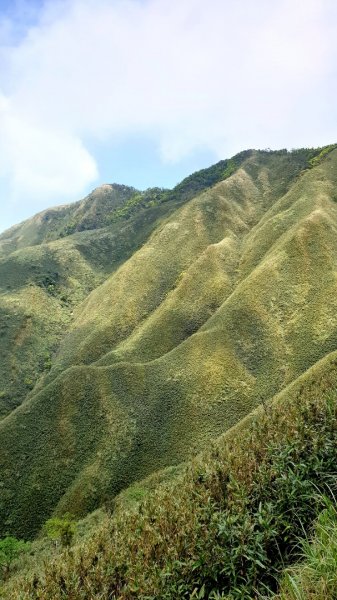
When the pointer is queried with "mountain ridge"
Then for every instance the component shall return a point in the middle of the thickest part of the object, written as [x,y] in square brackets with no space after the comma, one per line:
[195,320]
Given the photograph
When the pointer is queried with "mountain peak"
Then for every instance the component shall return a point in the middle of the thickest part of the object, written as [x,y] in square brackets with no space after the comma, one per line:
[129,342]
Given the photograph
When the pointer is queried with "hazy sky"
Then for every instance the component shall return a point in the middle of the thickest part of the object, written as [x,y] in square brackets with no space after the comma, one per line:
[144,92]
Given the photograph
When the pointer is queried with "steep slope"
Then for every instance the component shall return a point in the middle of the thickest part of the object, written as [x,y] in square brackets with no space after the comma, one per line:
[225,526]
[231,298]
[51,224]
[50,263]
[41,284]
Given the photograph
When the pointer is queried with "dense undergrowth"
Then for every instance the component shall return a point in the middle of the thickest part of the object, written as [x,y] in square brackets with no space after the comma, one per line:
[315,577]
[226,527]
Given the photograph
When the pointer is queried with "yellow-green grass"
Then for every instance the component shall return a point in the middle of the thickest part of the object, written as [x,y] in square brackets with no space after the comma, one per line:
[39,288]
[109,225]
[232,296]
[225,526]
[41,284]
[89,213]
[112,204]
[128,298]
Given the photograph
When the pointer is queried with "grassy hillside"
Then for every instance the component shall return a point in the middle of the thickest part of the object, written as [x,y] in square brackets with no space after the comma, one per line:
[42,283]
[53,223]
[148,337]
[226,526]
[50,263]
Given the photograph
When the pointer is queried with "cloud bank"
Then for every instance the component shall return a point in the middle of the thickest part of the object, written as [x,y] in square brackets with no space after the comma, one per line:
[223,75]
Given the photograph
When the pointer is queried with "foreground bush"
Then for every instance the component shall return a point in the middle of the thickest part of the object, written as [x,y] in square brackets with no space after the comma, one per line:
[316,577]
[10,550]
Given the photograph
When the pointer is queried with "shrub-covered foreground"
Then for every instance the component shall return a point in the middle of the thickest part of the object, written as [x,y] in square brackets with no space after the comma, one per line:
[316,577]
[226,527]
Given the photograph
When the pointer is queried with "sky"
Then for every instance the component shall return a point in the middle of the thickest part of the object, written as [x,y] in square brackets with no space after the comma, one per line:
[144,92]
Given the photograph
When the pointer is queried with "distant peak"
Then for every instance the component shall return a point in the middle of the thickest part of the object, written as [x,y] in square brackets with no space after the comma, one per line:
[107,188]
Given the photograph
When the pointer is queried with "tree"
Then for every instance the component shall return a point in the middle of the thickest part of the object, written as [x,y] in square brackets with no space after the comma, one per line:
[62,529]
[10,549]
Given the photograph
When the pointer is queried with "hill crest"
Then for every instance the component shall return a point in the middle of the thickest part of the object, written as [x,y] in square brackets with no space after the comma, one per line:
[134,335]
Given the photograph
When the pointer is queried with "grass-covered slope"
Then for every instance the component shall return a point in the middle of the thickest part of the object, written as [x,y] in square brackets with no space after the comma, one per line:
[53,223]
[42,281]
[230,298]
[49,264]
[227,525]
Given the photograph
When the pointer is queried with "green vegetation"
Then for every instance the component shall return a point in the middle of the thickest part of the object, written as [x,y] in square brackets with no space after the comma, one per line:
[10,550]
[138,327]
[316,576]
[61,529]
[319,155]
[205,178]
[140,200]
[227,525]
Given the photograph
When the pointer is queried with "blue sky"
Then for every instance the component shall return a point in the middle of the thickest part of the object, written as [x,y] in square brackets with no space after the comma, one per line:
[144,92]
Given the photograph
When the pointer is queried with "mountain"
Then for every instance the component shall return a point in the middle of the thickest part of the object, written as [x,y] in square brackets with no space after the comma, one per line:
[136,327]
[253,516]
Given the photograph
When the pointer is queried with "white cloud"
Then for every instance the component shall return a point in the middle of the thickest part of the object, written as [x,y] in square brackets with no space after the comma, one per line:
[222,75]
[41,161]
